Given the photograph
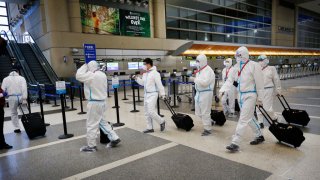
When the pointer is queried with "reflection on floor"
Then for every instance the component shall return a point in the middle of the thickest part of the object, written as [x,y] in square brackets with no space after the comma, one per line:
[174,154]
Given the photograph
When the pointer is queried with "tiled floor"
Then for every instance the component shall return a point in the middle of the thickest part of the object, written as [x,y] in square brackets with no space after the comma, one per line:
[174,154]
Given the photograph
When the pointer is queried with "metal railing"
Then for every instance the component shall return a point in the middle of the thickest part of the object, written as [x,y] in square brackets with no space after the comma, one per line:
[14,51]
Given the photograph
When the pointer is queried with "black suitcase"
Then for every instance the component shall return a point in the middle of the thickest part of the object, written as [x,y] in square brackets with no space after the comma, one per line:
[284,132]
[33,124]
[294,116]
[218,117]
[236,106]
[104,138]
[182,121]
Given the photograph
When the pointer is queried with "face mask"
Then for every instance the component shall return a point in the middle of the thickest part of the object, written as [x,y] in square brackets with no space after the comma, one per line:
[238,59]
[198,65]
[144,67]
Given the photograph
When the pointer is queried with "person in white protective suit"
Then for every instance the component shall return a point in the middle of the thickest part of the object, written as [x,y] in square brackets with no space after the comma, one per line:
[272,87]
[151,80]
[228,98]
[204,84]
[16,88]
[95,87]
[248,80]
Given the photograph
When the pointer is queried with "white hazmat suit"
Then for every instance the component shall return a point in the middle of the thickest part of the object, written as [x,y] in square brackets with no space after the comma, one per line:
[204,84]
[16,87]
[272,86]
[151,80]
[249,81]
[95,87]
[228,99]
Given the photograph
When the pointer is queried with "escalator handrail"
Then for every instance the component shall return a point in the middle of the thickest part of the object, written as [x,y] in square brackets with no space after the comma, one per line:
[15,51]
[42,60]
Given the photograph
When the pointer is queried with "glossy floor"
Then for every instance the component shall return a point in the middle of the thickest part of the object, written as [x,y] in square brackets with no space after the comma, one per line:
[173,154]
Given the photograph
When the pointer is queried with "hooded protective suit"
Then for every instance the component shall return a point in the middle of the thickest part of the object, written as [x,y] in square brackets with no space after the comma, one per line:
[228,99]
[16,87]
[248,76]
[204,84]
[95,87]
[272,86]
[151,80]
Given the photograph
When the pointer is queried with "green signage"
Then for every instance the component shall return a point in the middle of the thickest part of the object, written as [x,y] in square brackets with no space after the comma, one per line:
[134,23]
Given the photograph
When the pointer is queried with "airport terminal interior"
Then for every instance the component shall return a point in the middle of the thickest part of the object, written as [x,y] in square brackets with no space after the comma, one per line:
[160,89]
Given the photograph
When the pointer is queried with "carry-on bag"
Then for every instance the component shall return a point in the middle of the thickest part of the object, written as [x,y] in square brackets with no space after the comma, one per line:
[104,138]
[182,121]
[33,124]
[218,117]
[285,133]
[294,116]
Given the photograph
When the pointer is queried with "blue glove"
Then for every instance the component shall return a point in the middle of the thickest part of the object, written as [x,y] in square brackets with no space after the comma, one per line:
[5,94]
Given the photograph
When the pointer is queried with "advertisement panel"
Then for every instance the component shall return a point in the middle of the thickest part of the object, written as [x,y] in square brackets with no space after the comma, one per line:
[134,23]
[98,19]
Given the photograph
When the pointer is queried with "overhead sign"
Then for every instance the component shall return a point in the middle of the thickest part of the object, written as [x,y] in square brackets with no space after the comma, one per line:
[89,52]
[61,87]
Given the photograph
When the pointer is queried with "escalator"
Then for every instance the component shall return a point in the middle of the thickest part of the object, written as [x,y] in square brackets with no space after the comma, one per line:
[34,64]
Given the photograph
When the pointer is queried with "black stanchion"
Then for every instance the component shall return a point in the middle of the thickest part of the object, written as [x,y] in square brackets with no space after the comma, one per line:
[72,98]
[41,105]
[124,91]
[193,95]
[108,92]
[55,102]
[174,95]
[65,135]
[81,105]
[83,96]
[138,87]
[134,99]
[158,106]
[117,108]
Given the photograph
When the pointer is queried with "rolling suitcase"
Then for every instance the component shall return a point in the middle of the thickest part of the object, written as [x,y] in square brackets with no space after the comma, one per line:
[294,116]
[182,121]
[284,132]
[218,117]
[33,124]
[104,138]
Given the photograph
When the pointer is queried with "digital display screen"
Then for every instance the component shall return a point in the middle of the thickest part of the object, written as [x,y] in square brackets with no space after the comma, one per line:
[112,66]
[140,65]
[193,64]
[133,65]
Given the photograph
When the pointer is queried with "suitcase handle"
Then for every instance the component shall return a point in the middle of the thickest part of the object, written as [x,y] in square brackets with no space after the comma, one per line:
[282,99]
[21,109]
[266,115]
[169,107]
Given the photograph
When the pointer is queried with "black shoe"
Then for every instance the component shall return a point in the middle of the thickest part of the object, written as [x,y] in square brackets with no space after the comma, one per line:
[114,143]
[5,146]
[163,126]
[233,147]
[257,140]
[261,125]
[148,131]
[17,131]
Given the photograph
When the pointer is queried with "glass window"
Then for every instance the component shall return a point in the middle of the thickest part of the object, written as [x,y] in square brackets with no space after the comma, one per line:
[4,28]
[192,25]
[172,11]
[4,20]
[3,11]
[172,22]
[183,13]
[201,36]
[218,37]
[184,24]
[184,35]
[192,35]
[218,19]
[203,17]
[192,15]
[203,27]
[218,28]
[173,34]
